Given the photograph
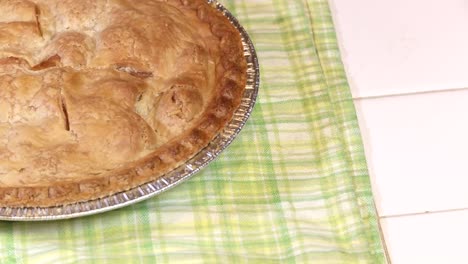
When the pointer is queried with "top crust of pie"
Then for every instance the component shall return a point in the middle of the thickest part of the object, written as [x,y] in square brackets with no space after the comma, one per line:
[100,96]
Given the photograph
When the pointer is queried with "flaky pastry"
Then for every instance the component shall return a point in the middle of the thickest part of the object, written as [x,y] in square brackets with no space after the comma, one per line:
[100,96]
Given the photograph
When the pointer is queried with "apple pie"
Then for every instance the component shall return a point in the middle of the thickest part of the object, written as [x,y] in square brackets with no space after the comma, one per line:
[100,96]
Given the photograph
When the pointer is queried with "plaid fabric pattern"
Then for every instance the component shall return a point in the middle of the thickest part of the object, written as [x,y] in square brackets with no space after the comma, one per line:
[293,187]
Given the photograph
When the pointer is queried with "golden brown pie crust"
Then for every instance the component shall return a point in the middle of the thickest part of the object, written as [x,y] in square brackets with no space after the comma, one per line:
[100,96]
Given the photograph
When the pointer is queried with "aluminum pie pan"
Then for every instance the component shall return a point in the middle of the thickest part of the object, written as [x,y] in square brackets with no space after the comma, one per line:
[170,180]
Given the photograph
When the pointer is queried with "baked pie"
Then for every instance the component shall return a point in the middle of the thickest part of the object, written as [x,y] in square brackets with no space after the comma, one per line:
[100,96]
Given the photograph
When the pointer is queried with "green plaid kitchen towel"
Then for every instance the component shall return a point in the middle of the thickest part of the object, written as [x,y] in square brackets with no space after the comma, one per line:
[293,187]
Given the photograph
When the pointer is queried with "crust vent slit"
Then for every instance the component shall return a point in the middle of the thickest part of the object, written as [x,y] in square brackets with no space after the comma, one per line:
[38,23]
[63,105]
[134,72]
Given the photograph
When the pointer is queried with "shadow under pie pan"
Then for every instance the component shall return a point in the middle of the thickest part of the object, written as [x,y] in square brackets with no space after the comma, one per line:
[171,179]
